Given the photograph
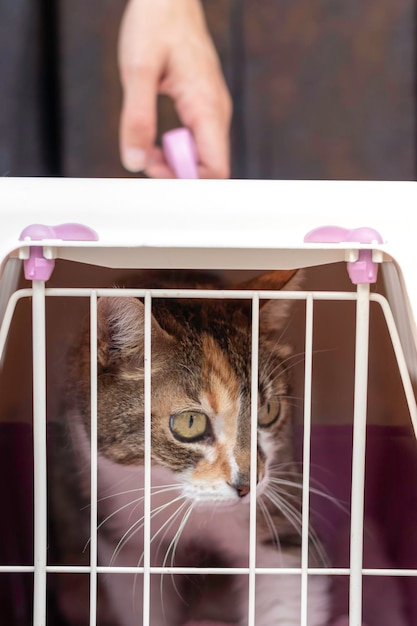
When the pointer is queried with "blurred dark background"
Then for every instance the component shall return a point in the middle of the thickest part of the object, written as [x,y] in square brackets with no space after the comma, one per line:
[321,88]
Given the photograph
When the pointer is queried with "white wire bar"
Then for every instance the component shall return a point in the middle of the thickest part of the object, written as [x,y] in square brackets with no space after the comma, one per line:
[8,316]
[158,293]
[8,282]
[94,458]
[39,453]
[254,458]
[400,357]
[308,377]
[276,571]
[358,455]
[147,460]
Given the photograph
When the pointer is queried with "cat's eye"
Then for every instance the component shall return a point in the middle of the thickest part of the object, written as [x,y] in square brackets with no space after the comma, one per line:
[189,426]
[269,412]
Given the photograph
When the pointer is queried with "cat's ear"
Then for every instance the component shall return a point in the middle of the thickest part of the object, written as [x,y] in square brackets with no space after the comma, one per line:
[274,313]
[121,330]
[273,280]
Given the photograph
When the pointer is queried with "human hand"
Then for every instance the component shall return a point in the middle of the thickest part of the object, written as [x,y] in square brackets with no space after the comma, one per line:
[165,47]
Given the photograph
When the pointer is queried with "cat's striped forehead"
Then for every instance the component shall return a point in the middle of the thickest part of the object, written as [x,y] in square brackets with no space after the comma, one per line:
[220,384]
[221,398]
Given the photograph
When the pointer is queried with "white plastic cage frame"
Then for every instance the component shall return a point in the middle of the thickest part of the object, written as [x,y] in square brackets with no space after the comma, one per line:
[214,225]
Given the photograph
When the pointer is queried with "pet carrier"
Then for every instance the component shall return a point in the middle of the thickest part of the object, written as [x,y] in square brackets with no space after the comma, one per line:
[75,238]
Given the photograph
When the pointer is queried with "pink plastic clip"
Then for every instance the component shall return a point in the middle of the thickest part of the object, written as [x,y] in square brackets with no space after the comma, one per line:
[364,269]
[180,152]
[37,267]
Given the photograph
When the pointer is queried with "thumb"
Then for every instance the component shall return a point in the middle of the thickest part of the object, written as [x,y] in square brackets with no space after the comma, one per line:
[138,116]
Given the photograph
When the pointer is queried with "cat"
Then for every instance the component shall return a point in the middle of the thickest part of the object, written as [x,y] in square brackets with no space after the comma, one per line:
[200,433]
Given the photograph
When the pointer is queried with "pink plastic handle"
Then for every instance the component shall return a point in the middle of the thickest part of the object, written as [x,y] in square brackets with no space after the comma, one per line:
[337,234]
[37,267]
[180,152]
[65,232]
[364,269]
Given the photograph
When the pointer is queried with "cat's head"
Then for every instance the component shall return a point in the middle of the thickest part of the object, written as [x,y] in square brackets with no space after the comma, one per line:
[201,387]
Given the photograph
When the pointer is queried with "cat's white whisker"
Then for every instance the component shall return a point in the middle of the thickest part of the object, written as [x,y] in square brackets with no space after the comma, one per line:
[297,356]
[280,467]
[278,342]
[130,532]
[113,495]
[119,483]
[113,513]
[170,519]
[285,507]
[294,517]
[318,492]
[281,365]
[320,489]
[178,534]
[171,487]
[137,526]
[117,494]
[289,397]
[284,370]
[279,498]
[172,548]
[167,524]
[322,492]
[269,522]
[166,489]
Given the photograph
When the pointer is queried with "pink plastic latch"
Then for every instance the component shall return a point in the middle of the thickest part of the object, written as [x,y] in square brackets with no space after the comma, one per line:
[180,152]
[364,269]
[37,267]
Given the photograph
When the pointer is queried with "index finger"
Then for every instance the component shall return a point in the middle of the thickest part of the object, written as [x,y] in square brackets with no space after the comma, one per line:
[138,115]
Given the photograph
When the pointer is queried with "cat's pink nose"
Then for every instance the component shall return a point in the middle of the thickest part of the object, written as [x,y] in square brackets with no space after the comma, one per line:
[242,489]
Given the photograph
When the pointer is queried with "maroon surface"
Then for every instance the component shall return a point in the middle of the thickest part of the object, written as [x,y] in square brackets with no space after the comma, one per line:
[16,522]
[390,539]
